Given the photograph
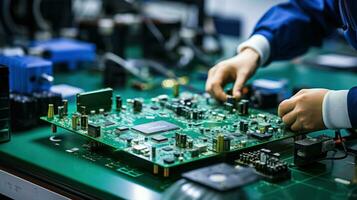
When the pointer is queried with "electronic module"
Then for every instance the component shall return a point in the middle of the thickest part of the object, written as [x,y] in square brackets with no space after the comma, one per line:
[165,133]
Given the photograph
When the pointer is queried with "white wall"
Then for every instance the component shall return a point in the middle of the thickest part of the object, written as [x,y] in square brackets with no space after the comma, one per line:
[249,11]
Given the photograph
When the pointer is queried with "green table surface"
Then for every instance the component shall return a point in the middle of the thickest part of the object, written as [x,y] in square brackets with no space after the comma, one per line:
[33,152]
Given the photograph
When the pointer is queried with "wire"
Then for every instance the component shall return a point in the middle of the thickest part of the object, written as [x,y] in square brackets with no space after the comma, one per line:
[126,65]
[132,66]
[338,135]
[36,9]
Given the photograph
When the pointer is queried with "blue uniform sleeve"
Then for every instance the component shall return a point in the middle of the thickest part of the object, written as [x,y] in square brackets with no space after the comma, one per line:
[352,106]
[291,28]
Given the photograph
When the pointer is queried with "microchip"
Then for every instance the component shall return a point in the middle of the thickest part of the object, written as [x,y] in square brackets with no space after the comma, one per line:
[138,148]
[159,138]
[154,108]
[93,130]
[167,148]
[155,127]
[169,160]
[122,128]
[260,136]
[108,123]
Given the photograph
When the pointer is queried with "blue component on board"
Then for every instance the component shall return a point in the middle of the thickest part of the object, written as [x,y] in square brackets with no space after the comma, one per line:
[28,74]
[68,51]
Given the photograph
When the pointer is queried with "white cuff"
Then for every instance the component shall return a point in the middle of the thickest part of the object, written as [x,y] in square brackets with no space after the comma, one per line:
[335,110]
[260,44]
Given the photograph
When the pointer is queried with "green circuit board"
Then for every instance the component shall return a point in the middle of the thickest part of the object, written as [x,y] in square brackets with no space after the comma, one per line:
[169,132]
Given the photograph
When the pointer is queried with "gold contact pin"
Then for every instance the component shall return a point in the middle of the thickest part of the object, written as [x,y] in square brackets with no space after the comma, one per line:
[50,112]
[166,172]
[155,169]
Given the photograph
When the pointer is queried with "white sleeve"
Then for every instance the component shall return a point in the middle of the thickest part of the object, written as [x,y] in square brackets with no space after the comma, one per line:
[260,44]
[335,110]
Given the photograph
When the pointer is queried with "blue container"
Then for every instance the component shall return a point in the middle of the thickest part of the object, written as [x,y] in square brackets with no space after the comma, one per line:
[28,74]
[66,51]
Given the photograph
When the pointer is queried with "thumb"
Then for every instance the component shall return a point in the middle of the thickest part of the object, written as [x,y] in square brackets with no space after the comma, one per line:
[238,84]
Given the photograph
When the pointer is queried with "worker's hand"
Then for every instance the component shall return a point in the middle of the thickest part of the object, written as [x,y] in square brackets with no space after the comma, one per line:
[303,111]
[238,68]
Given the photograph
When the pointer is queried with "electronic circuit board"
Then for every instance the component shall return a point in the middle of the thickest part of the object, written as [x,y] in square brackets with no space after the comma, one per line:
[168,132]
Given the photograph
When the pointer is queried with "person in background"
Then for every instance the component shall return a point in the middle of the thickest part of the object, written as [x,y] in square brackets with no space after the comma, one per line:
[286,31]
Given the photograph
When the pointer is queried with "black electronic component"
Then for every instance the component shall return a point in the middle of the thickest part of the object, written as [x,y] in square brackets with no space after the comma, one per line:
[243,126]
[233,101]
[154,107]
[181,140]
[122,128]
[155,127]
[95,100]
[5,134]
[167,148]
[222,177]
[226,144]
[219,181]
[159,138]
[169,160]
[93,130]
[261,136]
[108,123]
[263,99]
[266,163]
[43,99]
[60,111]
[153,151]
[84,122]
[310,150]
[75,121]
[118,102]
[243,107]
[65,106]
[137,105]
[23,112]
[194,153]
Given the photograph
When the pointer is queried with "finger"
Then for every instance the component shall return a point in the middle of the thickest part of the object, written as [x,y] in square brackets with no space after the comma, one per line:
[239,83]
[218,93]
[297,126]
[286,106]
[210,77]
[290,118]
[217,84]
[300,92]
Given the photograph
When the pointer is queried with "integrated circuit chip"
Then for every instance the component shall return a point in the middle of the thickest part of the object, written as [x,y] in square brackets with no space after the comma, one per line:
[108,123]
[159,138]
[155,127]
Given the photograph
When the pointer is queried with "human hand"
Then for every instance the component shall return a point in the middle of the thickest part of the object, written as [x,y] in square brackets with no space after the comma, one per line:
[238,68]
[303,111]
